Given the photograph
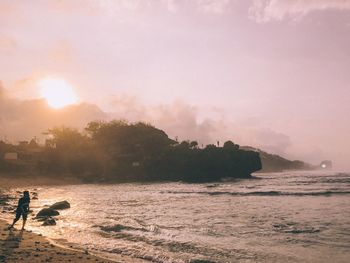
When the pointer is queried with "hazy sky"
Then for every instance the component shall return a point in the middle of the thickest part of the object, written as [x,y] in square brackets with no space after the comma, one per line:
[273,74]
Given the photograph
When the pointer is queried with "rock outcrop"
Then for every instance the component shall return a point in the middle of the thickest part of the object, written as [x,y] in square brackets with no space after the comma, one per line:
[49,222]
[47,212]
[60,205]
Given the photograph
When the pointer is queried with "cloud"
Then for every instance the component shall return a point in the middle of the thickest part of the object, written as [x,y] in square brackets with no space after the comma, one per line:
[181,120]
[178,119]
[2,91]
[271,141]
[7,44]
[261,10]
[7,8]
[114,6]
[213,6]
[267,10]
[24,119]
[62,53]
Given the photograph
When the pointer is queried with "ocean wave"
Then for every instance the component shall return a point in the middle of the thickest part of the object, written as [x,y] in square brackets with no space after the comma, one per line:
[119,228]
[153,247]
[279,193]
[264,193]
[292,228]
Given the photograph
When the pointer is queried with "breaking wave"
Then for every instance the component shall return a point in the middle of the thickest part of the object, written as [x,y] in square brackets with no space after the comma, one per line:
[265,193]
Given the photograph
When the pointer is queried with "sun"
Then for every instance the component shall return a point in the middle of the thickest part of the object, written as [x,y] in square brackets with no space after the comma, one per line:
[57,92]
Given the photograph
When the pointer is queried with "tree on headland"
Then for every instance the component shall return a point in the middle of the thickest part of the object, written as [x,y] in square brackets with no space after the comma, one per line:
[124,152]
[193,144]
[130,148]
[67,150]
[229,145]
[120,137]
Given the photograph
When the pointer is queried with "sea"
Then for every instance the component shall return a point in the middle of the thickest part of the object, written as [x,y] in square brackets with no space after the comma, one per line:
[274,217]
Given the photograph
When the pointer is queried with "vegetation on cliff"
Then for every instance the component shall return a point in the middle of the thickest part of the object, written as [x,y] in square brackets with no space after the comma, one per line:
[124,152]
[276,163]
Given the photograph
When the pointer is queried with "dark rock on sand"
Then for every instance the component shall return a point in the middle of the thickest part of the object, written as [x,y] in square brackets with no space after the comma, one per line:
[49,222]
[40,219]
[47,212]
[60,205]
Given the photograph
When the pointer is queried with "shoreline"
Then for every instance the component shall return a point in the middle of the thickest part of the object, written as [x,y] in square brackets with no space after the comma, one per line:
[27,246]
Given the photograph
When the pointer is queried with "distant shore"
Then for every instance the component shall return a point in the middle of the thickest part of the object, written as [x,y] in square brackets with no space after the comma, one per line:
[33,180]
[18,180]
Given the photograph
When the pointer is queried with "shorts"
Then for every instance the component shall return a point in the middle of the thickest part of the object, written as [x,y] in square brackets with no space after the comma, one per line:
[19,214]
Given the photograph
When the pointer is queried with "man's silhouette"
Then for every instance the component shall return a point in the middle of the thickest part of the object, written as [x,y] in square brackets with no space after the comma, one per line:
[22,209]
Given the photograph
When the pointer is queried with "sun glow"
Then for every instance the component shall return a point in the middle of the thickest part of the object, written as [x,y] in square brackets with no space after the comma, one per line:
[57,92]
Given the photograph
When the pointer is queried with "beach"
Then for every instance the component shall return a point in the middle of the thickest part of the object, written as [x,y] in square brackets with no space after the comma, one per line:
[27,246]
[24,246]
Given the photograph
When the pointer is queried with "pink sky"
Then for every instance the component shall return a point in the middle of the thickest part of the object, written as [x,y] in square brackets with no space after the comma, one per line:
[273,74]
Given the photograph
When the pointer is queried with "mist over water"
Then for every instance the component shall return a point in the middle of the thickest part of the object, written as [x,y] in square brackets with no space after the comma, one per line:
[281,217]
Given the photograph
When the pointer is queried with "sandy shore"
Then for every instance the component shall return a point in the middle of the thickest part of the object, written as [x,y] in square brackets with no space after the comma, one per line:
[25,246]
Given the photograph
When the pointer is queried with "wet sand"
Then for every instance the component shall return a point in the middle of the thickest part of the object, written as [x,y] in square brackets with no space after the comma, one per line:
[25,246]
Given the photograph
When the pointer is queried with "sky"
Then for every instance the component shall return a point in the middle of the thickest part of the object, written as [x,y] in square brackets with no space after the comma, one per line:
[272,74]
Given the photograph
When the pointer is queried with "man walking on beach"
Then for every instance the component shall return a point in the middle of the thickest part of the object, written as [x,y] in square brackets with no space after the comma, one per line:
[22,209]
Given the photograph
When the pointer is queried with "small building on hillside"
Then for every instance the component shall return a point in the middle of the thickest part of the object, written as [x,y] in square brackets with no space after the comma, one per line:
[33,143]
[11,156]
[23,143]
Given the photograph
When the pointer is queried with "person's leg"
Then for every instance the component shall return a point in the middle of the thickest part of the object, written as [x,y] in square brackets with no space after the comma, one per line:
[18,215]
[24,216]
